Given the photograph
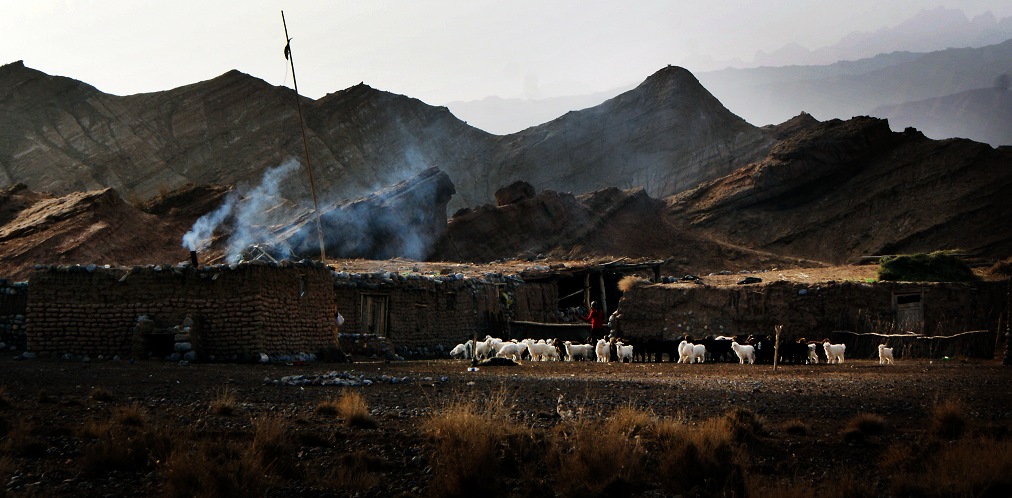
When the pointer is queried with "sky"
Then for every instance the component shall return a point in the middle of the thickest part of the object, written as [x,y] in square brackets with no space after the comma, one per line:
[436,51]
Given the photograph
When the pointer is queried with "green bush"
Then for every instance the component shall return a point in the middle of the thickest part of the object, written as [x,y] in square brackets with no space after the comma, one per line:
[937,266]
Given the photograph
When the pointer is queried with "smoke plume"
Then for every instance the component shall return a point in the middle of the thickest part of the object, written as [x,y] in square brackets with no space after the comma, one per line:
[246,215]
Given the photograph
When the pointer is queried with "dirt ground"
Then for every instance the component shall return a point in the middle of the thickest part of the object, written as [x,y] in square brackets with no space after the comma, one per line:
[49,409]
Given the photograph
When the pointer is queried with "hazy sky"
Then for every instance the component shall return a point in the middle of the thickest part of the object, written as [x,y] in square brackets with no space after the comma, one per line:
[437,51]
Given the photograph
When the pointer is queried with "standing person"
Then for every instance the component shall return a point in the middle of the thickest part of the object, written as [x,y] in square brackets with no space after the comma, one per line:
[596,319]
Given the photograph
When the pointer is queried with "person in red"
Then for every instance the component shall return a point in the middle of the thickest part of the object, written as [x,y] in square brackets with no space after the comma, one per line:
[596,319]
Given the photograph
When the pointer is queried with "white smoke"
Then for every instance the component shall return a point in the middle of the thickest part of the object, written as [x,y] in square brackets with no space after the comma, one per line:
[199,236]
[248,215]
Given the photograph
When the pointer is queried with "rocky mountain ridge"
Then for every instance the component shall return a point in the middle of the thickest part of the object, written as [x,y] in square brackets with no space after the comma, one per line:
[61,135]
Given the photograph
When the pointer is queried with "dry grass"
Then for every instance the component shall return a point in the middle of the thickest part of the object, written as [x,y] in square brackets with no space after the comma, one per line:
[949,419]
[101,395]
[214,468]
[466,436]
[795,427]
[862,425]
[327,408]
[353,409]
[225,403]
[966,468]
[630,281]
[594,456]
[701,459]
[124,442]
[20,440]
[845,485]
[133,414]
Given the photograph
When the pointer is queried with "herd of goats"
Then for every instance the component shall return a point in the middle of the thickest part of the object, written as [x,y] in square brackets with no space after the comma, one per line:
[719,348]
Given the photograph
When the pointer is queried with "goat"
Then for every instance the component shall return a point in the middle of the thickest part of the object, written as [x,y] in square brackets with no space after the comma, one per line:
[684,351]
[578,351]
[885,355]
[512,350]
[834,352]
[461,351]
[624,352]
[813,355]
[745,352]
[603,350]
[541,351]
[698,353]
[484,349]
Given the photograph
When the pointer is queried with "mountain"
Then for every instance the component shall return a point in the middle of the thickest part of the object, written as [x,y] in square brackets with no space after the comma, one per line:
[928,31]
[847,89]
[62,135]
[95,226]
[982,114]
[839,190]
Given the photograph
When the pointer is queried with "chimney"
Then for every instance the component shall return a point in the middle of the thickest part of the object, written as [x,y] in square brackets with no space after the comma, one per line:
[193,258]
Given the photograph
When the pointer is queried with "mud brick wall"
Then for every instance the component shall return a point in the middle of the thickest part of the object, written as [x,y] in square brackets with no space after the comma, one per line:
[13,307]
[812,311]
[425,311]
[237,311]
[536,302]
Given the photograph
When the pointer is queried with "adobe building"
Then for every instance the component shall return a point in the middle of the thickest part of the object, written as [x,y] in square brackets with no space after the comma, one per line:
[235,312]
[924,319]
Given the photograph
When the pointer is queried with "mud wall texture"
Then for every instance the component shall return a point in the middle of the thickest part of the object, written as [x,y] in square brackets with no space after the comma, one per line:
[13,306]
[811,311]
[237,311]
[435,313]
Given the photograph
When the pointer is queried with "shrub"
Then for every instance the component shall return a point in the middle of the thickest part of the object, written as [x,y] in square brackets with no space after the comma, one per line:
[700,459]
[224,403]
[593,457]
[628,282]
[862,425]
[948,420]
[327,408]
[353,409]
[102,395]
[964,468]
[465,438]
[795,427]
[933,267]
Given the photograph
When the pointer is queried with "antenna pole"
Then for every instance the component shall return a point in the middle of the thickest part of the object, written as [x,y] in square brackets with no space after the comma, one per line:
[305,142]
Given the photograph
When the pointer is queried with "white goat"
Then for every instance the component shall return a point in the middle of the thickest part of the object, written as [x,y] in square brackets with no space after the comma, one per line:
[461,351]
[745,352]
[512,350]
[813,355]
[885,355]
[603,351]
[541,350]
[624,352]
[684,352]
[484,349]
[834,352]
[578,351]
[698,353]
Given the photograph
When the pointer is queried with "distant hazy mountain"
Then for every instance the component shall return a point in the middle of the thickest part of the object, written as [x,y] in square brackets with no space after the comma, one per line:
[928,31]
[846,89]
[983,114]
[911,61]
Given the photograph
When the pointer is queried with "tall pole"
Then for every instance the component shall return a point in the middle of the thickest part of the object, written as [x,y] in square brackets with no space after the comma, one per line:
[305,142]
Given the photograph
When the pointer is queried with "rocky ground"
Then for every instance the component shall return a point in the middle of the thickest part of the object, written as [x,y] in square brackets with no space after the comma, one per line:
[63,421]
